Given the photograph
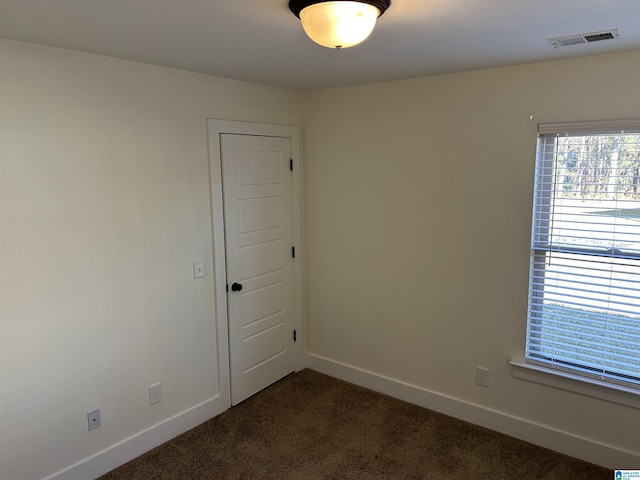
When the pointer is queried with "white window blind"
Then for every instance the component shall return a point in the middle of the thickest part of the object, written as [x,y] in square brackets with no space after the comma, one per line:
[584,289]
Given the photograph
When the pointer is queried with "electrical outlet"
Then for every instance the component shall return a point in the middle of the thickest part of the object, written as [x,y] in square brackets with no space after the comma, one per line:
[93,419]
[155,393]
[482,376]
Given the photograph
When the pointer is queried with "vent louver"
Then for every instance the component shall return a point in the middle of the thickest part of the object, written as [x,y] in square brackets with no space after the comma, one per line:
[579,39]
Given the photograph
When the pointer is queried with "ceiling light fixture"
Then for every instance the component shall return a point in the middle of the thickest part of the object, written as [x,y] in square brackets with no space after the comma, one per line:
[339,23]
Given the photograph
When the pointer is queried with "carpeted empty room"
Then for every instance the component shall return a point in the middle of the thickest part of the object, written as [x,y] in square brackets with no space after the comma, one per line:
[312,426]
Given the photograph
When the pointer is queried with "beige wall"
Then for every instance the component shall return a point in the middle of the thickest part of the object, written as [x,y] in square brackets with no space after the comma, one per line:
[104,203]
[417,212]
[418,200]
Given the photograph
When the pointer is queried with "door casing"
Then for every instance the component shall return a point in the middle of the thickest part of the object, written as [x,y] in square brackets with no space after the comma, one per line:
[216,127]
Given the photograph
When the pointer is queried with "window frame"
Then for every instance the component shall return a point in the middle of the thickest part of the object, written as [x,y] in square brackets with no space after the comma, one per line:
[535,367]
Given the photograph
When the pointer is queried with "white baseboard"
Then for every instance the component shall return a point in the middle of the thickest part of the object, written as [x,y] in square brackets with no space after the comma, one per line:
[134,446]
[541,435]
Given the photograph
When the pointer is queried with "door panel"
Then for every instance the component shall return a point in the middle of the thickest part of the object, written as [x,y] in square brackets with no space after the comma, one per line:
[262,302]
[263,347]
[258,237]
[259,168]
[260,214]
[261,258]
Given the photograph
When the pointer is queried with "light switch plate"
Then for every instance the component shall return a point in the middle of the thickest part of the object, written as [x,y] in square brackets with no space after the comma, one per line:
[198,268]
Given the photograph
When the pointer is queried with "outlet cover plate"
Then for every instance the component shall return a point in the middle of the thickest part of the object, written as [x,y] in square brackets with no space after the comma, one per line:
[482,376]
[155,393]
[93,419]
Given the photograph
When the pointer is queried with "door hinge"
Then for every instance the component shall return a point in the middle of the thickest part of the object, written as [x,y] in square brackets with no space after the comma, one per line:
[291,164]
[293,252]
[295,336]
[227,288]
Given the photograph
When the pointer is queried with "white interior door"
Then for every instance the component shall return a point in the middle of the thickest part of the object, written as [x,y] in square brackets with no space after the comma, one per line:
[257,192]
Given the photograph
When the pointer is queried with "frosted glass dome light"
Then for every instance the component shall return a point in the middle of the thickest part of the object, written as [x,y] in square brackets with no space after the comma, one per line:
[338,24]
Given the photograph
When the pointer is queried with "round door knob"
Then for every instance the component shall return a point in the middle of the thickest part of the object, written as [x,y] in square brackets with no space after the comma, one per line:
[236,287]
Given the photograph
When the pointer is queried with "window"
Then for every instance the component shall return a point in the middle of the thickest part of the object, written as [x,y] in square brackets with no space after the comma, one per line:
[584,287]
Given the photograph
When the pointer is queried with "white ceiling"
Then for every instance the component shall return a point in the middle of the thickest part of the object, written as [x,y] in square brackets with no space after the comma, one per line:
[262,41]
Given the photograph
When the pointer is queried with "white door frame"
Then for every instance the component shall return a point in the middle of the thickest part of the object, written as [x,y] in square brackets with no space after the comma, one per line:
[216,127]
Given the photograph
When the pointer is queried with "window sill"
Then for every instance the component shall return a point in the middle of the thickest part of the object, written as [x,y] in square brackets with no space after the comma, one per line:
[574,383]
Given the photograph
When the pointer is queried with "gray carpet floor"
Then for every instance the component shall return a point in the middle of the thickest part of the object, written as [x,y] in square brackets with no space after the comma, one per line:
[311,426]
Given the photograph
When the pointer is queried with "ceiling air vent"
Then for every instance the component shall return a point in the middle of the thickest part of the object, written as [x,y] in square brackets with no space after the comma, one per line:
[583,38]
